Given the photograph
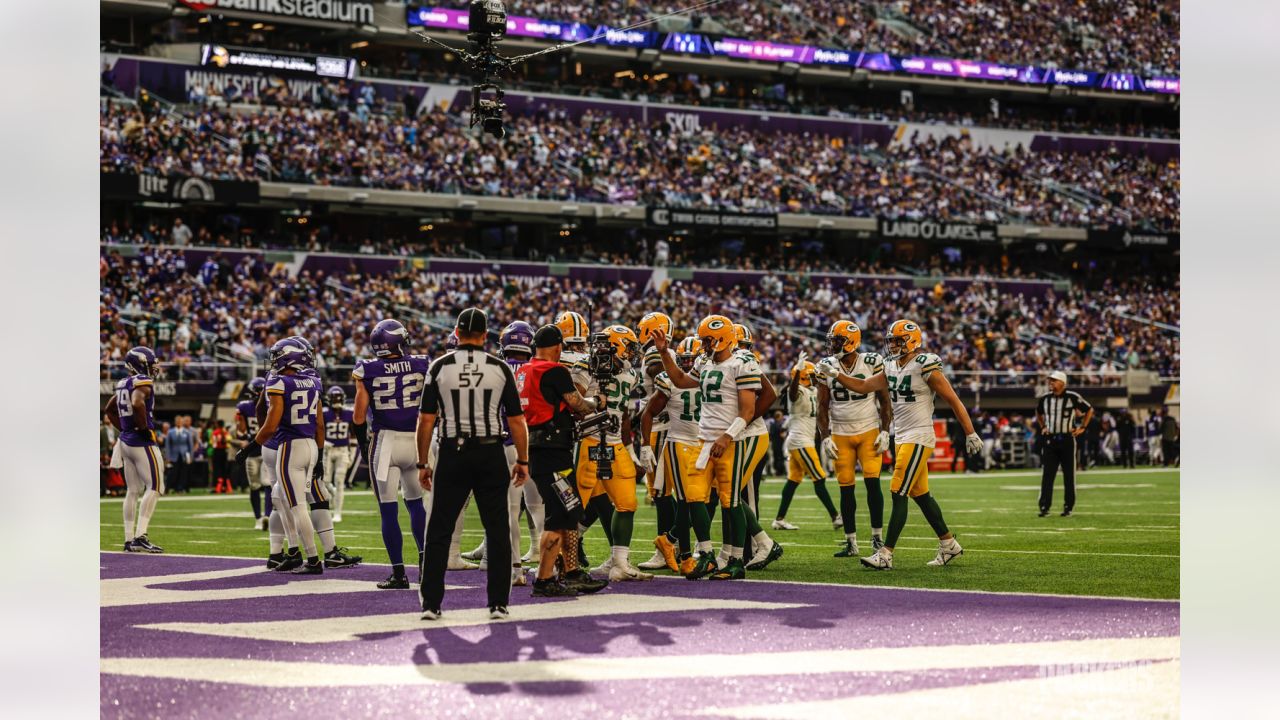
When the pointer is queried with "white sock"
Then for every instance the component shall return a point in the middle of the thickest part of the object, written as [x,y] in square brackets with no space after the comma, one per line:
[735,552]
[275,529]
[145,508]
[762,541]
[852,537]
[621,556]
[704,546]
[306,531]
[322,521]
[875,533]
[722,559]
[130,514]
[948,543]
[455,545]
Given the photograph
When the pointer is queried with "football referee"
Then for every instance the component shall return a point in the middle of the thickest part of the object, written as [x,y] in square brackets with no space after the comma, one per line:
[465,392]
[1056,413]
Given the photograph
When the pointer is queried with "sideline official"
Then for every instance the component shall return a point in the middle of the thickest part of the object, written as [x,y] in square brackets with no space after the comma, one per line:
[1056,413]
[466,391]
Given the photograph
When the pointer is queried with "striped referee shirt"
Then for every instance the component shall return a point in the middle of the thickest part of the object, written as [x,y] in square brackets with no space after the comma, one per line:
[469,390]
[1058,411]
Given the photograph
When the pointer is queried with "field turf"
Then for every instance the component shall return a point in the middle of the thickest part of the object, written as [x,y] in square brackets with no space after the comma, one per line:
[1122,541]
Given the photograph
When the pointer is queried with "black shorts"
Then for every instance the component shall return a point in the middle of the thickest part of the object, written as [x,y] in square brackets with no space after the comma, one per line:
[544,466]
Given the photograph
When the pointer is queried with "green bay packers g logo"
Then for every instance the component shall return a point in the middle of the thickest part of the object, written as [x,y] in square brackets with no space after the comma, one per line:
[715,324]
[909,327]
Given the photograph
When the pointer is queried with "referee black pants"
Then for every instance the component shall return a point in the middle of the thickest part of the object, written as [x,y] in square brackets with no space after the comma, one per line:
[479,470]
[1059,451]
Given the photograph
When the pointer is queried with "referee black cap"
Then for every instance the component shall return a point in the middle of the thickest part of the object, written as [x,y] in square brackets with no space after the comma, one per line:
[472,321]
[548,336]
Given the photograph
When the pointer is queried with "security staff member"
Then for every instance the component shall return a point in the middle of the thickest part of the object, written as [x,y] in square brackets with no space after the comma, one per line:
[548,397]
[467,389]
[1056,413]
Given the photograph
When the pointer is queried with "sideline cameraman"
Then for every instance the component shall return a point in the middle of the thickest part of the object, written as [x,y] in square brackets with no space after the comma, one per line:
[547,396]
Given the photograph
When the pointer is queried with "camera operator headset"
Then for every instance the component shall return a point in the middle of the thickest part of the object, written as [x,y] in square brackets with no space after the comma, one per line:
[605,464]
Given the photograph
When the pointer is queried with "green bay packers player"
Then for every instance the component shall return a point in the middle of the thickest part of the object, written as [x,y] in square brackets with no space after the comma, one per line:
[620,489]
[734,441]
[855,431]
[683,407]
[652,437]
[764,400]
[912,377]
[575,330]
[801,446]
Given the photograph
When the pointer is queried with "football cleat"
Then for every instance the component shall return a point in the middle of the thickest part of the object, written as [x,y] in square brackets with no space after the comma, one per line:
[499,612]
[760,562]
[582,581]
[337,517]
[431,613]
[733,570]
[130,547]
[518,578]
[850,550]
[336,558]
[474,554]
[603,568]
[686,564]
[782,524]
[1066,513]
[457,563]
[142,542]
[948,550]
[257,522]
[265,523]
[311,568]
[533,557]
[877,542]
[657,562]
[668,550]
[881,560]
[553,588]
[274,560]
[837,522]
[626,572]
[394,582]
[292,561]
[1044,512]
[703,565]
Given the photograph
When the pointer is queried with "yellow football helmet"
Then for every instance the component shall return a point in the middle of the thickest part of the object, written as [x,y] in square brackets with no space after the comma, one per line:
[625,340]
[687,353]
[903,338]
[745,339]
[805,376]
[717,333]
[573,327]
[844,337]
[655,321]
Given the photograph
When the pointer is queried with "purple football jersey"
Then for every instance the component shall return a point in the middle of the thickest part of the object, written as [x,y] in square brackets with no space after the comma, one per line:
[260,412]
[395,389]
[249,412]
[301,396]
[506,428]
[135,431]
[337,426]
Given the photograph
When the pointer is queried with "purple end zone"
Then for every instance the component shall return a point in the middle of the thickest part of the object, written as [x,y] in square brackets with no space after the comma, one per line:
[833,618]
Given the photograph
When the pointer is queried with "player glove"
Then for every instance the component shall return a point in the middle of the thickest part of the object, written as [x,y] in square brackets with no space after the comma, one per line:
[647,459]
[829,447]
[361,434]
[799,364]
[826,371]
[317,473]
[972,443]
[882,442]
[246,452]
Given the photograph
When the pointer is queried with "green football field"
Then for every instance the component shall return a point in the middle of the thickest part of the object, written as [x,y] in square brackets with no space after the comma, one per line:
[1122,540]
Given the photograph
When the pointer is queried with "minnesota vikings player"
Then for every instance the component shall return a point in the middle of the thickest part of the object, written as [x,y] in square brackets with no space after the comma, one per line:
[388,390]
[246,429]
[338,450]
[130,411]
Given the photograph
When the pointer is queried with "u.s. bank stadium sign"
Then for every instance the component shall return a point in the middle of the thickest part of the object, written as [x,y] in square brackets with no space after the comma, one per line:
[344,11]
[936,230]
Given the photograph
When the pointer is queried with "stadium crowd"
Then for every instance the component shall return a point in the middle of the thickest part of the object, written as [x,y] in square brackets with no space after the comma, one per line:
[605,158]
[184,312]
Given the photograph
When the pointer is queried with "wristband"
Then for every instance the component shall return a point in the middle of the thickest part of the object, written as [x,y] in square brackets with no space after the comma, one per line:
[522,462]
[422,466]
[736,427]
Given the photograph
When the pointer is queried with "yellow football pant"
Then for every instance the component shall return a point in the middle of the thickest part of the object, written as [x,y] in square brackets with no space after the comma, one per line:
[911,470]
[860,449]
[621,488]
[804,461]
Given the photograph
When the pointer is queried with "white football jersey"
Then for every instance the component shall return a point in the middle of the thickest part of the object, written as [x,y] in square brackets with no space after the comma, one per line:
[617,393]
[803,419]
[912,399]
[651,356]
[579,371]
[720,383]
[851,413]
[684,409]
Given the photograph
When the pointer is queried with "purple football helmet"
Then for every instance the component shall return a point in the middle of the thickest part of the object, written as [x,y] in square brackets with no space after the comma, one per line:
[141,361]
[288,354]
[336,396]
[255,387]
[517,337]
[389,337]
[451,342]
[306,349]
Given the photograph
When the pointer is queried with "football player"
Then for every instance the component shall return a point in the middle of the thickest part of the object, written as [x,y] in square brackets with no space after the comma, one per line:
[854,428]
[246,429]
[734,440]
[129,409]
[620,490]
[388,390]
[911,377]
[338,450]
[800,446]
[683,408]
[653,438]
[575,331]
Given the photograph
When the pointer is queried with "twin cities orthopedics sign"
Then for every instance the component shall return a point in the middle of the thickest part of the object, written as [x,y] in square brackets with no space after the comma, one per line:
[941,231]
[353,12]
[664,217]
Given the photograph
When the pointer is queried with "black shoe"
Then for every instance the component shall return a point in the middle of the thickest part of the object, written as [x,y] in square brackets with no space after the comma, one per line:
[292,561]
[582,582]
[1044,512]
[335,558]
[1066,512]
[395,582]
[274,560]
[553,588]
[130,546]
[499,612]
[431,613]
[311,568]
[142,542]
